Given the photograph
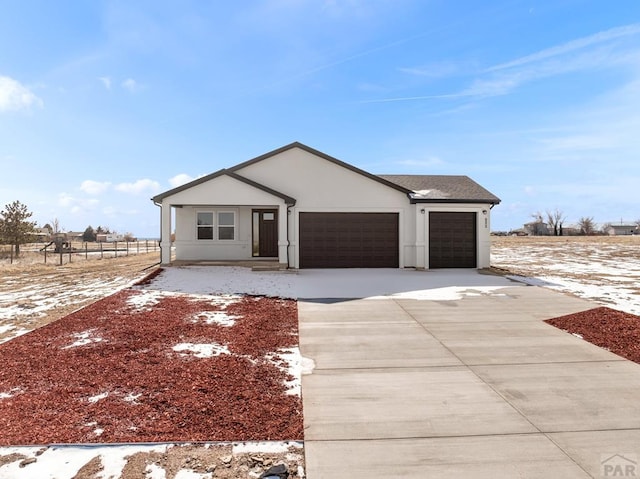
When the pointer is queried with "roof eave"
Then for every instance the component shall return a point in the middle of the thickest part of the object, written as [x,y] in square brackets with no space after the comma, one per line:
[494,201]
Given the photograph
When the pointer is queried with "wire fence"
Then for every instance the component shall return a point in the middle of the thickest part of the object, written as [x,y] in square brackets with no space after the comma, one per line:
[68,252]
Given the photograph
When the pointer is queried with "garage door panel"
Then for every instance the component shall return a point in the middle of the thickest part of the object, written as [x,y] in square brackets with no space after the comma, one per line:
[349,240]
[452,240]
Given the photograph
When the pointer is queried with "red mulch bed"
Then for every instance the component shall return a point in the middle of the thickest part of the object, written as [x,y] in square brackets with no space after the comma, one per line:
[617,331]
[230,397]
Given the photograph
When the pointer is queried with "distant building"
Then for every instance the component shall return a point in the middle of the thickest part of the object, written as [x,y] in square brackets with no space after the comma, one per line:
[75,236]
[109,238]
[621,229]
[42,234]
[571,230]
[537,228]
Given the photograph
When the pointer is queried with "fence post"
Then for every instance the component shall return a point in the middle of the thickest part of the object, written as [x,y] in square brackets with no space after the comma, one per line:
[11,254]
[86,250]
[146,244]
[116,245]
[60,256]
[69,252]
[127,247]
[101,253]
[45,255]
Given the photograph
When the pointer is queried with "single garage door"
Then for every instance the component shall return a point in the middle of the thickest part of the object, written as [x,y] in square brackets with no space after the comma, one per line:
[452,240]
[349,240]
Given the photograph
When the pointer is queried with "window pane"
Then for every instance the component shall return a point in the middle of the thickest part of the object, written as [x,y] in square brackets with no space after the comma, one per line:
[205,232]
[226,219]
[205,219]
[226,232]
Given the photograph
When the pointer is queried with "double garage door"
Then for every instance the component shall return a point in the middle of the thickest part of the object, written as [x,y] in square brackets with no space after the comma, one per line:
[371,240]
[349,240]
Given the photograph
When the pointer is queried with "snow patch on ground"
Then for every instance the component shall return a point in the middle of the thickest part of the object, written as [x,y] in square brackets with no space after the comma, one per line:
[83,338]
[272,447]
[9,394]
[98,397]
[215,317]
[202,350]
[310,284]
[605,273]
[62,462]
[289,360]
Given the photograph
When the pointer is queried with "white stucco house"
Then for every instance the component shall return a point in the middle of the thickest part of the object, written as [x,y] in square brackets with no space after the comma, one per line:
[305,209]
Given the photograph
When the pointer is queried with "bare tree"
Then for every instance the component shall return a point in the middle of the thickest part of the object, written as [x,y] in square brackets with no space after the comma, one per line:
[556,219]
[55,226]
[587,225]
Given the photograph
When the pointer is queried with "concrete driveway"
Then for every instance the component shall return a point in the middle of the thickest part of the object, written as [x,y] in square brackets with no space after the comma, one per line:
[463,380]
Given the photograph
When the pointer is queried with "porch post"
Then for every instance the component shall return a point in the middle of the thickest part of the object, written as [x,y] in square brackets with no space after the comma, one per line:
[165,233]
[283,221]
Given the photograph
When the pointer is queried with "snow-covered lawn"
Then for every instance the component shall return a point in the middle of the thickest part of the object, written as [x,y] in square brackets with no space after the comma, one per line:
[601,269]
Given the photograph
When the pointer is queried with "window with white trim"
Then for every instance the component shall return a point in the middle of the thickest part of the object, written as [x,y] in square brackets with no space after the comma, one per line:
[204,225]
[226,225]
[216,225]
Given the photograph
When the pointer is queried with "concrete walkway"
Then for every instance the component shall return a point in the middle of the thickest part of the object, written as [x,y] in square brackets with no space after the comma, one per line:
[477,387]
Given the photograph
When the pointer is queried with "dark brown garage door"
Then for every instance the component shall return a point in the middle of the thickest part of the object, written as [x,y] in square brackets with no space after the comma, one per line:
[348,240]
[452,240]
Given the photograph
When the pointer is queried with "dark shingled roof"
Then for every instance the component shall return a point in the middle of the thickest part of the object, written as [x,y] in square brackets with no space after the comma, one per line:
[435,188]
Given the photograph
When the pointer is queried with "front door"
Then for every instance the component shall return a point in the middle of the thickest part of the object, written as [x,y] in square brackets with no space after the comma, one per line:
[265,233]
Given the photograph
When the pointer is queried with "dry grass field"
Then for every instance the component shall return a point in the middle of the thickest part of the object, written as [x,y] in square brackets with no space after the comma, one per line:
[33,294]
[605,269]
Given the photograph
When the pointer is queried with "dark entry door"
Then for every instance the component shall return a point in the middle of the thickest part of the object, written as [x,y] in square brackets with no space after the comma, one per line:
[265,233]
[452,240]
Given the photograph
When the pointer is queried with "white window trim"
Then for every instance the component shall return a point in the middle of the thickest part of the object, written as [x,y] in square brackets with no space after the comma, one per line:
[216,225]
[212,225]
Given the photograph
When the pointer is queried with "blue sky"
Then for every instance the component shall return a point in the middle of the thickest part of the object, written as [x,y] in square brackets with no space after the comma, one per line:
[105,103]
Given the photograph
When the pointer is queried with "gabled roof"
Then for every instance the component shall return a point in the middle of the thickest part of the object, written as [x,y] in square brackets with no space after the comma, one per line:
[287,199]
[419,188]
[438,188]
[320,154]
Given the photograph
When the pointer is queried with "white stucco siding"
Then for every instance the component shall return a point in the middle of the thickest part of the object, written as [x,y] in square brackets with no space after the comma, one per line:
[189,247]
[323,186]
[317,183]
[219,194]
[222,190]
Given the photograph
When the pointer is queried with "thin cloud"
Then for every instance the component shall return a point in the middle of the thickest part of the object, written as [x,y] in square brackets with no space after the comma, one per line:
[76,205]
[14,96]
[433,70]
[571,46]
[594,51]
[94,187]
[139,187]
[106,81]
[130,84]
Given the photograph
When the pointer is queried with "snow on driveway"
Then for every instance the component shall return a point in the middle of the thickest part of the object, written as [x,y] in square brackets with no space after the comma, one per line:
[328,283]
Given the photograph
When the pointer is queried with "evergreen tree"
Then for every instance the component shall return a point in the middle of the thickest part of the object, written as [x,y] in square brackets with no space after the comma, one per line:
[15,229]
[89,234]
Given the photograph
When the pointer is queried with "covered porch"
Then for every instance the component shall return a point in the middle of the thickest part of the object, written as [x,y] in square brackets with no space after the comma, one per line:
[226,218]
